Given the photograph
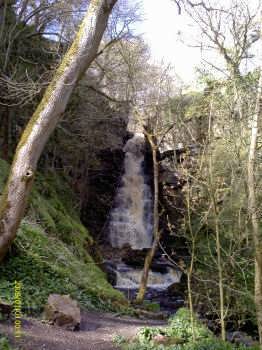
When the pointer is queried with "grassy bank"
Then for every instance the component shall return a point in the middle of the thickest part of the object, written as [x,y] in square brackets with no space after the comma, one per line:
[50,253]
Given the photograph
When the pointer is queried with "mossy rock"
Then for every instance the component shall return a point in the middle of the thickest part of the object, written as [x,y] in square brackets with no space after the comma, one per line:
[151,306]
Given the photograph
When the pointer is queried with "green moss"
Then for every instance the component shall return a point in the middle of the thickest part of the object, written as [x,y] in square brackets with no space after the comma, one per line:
[46,265]
[151,306]
[5,344]
[50,254]
[52,205]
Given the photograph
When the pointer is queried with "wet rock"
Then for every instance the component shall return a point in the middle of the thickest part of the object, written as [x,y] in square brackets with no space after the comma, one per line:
[171,178]
[110,270]
[62,311]
[177,289]
[241,338]
[101,186]
[135,258]
[172,304]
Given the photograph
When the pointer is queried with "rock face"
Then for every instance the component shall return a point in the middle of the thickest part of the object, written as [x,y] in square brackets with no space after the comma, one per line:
[62,311]
[241,338]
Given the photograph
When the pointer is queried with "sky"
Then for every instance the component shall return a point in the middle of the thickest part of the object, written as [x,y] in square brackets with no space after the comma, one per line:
[169,36]
[161,28]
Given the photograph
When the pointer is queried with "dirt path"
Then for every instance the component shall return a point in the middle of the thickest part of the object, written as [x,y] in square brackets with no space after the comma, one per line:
[96,332]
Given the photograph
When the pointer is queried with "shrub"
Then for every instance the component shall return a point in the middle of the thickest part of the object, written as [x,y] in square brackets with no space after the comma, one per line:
[179,327]
[4,343]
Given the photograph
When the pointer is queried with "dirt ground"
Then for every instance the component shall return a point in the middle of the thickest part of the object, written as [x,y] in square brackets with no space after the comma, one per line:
[96,332]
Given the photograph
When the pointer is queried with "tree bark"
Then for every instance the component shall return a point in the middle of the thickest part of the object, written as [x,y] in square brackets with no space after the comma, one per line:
[156,233]
[253,207]
[78,58]
[212,193]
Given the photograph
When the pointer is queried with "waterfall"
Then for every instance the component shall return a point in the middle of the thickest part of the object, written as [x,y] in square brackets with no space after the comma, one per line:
[129,278]
[131,218]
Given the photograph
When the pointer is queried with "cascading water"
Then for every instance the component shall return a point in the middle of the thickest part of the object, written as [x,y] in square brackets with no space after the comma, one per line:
[131,223]
[129,278]
[131,219]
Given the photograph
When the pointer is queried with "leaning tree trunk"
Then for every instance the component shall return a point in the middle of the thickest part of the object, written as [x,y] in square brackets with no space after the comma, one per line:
[253,207]
[44,120]
[156,232]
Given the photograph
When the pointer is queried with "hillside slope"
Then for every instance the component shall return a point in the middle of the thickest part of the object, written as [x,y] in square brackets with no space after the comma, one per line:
[50,253]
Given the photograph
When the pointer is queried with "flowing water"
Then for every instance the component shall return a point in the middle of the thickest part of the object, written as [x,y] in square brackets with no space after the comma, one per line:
[129,278]
[131,219]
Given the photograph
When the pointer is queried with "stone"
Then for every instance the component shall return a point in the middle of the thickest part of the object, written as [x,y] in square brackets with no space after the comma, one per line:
[110,270]
[62,311]
[144,314]
[239,338]
[160,339]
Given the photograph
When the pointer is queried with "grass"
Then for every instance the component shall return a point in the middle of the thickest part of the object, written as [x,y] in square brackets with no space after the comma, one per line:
[4,343]
[50,253]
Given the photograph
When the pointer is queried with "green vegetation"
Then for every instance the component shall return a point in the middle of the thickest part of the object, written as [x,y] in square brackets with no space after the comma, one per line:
[151,306]
[178,335]
[50,253]
[4,343]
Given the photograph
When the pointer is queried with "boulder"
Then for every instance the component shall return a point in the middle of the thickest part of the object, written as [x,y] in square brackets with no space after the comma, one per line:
[160,339]
[241,338]
[62,311]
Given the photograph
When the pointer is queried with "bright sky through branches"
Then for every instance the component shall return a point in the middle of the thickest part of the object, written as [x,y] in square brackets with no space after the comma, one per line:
[161,29]
[169,35]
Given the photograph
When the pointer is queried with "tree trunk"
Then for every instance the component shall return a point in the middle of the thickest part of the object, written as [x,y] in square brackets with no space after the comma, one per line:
[44,120]
[156,232]
[253,207]
[212,193]
[220,280]
[189,271]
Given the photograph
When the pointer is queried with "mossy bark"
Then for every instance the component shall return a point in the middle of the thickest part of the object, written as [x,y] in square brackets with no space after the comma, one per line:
[44,120]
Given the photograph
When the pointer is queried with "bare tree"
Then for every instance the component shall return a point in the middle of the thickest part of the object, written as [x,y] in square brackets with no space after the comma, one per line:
[44,120]
[155,130]
[230,29]
[156,232]
[253,204]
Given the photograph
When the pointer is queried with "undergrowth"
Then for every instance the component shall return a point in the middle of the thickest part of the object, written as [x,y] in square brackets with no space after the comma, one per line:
[178,335]
[50,253]
[5,344]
